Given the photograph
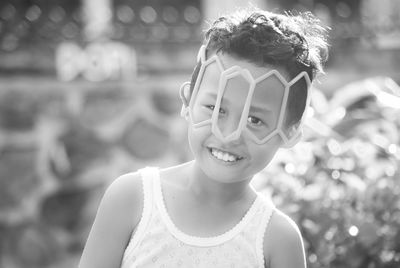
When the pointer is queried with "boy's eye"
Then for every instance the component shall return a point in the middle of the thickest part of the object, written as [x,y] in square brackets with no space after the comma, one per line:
[212,107]
[254,121]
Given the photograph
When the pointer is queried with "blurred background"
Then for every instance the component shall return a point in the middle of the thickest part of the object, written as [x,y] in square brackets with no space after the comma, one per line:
[89,91]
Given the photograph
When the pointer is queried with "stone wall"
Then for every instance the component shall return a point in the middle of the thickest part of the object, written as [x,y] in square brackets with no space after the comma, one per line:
[61,144]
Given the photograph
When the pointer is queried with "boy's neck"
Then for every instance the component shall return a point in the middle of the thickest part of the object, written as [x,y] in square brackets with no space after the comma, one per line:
[212,191]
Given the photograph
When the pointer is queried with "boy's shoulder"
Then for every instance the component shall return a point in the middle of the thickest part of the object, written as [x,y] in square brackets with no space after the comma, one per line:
[126,185]
[283,226]
[124,197]
[130,185]
[283,240]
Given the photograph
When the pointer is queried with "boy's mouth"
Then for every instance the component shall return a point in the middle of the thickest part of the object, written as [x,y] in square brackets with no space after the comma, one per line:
[224,156]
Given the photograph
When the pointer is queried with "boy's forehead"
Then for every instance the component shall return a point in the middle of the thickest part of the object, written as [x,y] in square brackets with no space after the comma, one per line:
[213,72]
[268,93]
[255,69]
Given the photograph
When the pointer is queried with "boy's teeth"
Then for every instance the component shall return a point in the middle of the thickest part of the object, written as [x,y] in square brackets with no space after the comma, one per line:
[223,155]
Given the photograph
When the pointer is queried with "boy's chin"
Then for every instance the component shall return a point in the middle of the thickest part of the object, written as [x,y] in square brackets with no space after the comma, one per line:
[226,178]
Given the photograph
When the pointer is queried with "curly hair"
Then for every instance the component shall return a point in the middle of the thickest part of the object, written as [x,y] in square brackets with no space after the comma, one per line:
[294,42]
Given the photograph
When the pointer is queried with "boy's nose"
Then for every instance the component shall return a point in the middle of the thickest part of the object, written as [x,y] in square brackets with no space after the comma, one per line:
[229,126]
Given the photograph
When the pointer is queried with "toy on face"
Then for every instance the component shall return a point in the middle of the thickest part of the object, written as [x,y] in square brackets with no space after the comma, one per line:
[239,90]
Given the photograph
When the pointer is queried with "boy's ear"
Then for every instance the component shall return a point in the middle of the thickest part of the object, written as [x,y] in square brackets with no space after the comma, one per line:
[184,94]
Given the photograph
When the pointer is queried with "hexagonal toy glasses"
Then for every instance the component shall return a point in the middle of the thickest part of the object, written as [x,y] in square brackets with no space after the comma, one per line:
[242,104]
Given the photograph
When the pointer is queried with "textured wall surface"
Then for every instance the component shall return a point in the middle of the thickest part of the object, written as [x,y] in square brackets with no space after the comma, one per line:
[61,144]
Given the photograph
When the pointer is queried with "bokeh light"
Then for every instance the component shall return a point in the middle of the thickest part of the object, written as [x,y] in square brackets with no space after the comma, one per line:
[148,14]
[353,230]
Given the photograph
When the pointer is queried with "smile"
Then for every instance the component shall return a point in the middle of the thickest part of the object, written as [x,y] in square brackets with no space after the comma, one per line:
[224,156]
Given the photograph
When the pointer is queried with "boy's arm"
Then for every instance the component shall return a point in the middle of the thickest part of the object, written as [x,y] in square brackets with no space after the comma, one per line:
[119,212]
[283,244]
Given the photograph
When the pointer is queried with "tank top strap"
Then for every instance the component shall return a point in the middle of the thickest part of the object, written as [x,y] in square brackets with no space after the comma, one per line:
[147,176]
[268,209]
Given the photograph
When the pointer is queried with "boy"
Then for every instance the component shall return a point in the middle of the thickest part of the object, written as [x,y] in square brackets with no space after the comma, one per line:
[246,100]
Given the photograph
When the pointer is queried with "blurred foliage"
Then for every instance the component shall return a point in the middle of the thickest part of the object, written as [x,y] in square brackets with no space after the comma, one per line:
[343,189]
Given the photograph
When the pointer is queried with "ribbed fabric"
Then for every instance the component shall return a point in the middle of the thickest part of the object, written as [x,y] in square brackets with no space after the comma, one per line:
[157,242]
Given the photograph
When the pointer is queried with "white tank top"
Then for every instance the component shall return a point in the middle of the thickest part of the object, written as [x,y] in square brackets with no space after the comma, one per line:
[157,242]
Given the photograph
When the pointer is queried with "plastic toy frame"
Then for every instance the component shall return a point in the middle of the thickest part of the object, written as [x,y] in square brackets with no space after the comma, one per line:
[226,74]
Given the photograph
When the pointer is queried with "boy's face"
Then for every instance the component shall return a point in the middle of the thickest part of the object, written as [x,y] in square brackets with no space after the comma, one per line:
[233,154]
